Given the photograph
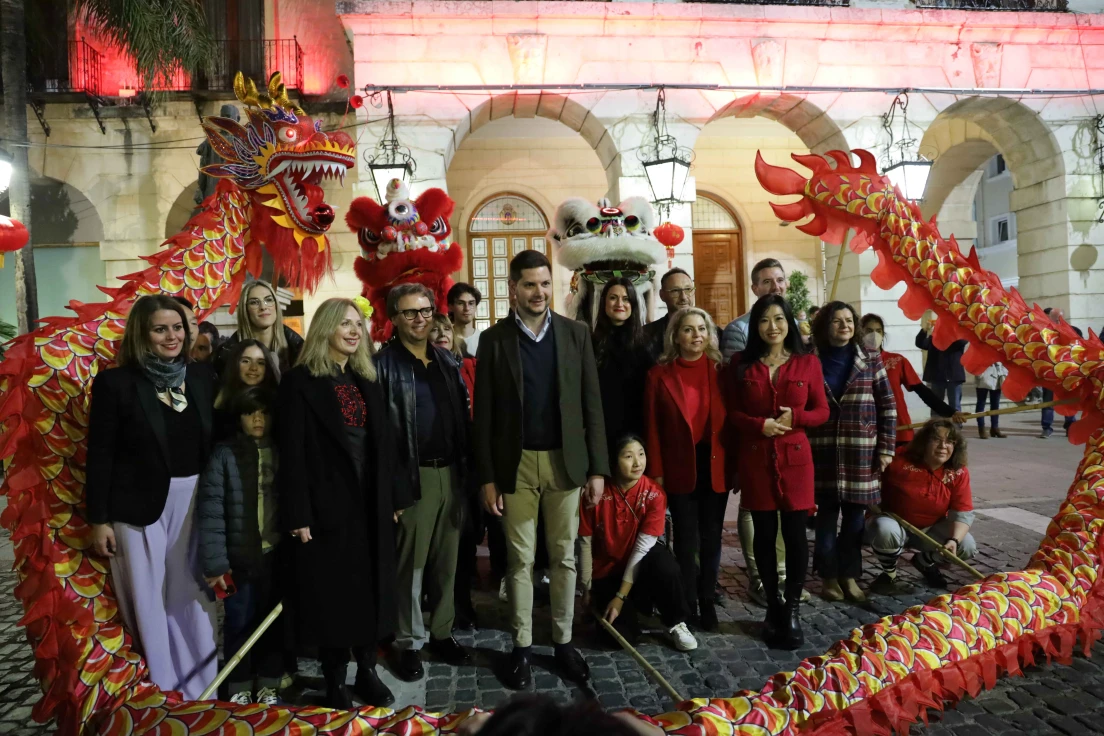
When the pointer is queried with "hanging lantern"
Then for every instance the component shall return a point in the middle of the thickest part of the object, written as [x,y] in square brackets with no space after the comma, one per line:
[13,236]
[670,235]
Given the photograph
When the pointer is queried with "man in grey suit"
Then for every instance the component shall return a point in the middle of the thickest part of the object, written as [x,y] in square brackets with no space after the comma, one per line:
[539,436]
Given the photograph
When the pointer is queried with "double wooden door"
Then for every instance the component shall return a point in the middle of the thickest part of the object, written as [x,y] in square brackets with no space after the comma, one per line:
[718,274]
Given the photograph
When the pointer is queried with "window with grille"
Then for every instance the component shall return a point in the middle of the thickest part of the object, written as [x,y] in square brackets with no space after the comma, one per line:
[508,214]
[709,215]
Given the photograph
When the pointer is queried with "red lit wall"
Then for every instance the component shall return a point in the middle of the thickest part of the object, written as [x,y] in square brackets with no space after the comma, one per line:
[326,52]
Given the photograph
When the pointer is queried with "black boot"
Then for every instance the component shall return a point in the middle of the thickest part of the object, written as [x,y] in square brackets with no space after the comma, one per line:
[775,622]
[707,614]
[371,689]
[337,694]
[790,636]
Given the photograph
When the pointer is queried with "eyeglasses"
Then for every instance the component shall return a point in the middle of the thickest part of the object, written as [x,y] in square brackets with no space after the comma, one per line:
[679,292]
[268,301]
[410,314]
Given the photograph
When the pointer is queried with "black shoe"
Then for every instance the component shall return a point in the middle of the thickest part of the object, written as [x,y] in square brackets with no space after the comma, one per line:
[449,651]
[518,675]
[931,572]
[466,620]
[707,617]
[885,585]
[370,688]
[790,635]
[572,664]
[337,694]
[408,665]
[774,622]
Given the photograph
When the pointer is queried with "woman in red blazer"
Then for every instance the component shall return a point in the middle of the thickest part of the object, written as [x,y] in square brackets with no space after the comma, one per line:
[684,418]
[773,391]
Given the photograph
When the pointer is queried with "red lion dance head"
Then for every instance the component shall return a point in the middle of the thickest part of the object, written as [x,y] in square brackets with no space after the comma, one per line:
[403,241]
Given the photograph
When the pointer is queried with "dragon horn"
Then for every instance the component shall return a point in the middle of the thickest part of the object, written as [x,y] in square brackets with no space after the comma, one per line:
[246,91]
[776,179]
[278,92]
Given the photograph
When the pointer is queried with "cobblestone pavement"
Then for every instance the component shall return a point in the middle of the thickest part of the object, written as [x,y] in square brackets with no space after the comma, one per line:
[1050,699]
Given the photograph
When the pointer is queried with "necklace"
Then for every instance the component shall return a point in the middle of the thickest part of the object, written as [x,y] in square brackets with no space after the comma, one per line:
[775,362]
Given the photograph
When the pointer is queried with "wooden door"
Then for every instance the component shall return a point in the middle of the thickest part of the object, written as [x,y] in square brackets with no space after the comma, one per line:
[718,275]
[489,256]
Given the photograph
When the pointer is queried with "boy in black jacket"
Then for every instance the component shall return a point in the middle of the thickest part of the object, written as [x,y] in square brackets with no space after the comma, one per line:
[238,536]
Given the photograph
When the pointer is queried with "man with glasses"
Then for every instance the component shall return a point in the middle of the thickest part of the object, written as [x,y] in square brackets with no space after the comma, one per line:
[463,299]
[676,289]
[428,404]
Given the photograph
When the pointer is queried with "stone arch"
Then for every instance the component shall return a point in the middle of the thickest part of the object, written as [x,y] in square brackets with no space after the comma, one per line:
[969,132]
[806,120]
[183,207]
[559,108]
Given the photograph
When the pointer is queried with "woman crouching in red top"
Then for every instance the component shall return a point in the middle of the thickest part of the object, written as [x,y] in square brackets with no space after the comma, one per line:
[622,560]
[773,391]
[684,419]
[928,485]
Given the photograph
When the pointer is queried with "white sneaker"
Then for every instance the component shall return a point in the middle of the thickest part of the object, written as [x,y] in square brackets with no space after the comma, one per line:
[243,698]
[684,641]
[267,696]
[502,591]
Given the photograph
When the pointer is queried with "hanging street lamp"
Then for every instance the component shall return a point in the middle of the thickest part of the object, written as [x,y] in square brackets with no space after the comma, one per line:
[904,168]
[666,163]
[390,159]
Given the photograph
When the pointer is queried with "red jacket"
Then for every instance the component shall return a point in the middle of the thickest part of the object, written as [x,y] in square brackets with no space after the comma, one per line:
[467,372]
[669,438]
[775,473]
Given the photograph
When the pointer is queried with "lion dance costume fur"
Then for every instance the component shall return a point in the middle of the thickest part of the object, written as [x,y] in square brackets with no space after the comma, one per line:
[881,677]
[403,241]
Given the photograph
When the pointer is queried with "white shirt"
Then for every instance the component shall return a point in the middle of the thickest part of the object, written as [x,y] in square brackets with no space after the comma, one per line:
[469,345]
[543,330]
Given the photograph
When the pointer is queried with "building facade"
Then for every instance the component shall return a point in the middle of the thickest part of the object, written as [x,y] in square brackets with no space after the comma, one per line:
[527,114]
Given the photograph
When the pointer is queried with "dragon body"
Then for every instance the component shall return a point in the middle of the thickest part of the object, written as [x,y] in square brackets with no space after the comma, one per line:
[881,677]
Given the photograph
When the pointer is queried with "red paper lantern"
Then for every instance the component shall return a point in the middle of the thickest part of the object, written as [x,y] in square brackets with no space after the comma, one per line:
[356,102]
[342,81]
[13,236]
[670,235]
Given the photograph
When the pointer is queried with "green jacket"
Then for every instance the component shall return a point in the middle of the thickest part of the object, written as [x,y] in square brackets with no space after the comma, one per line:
[499,404]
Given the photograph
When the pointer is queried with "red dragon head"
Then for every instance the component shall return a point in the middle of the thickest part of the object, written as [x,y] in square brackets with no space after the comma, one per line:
[402,241]
[281,157]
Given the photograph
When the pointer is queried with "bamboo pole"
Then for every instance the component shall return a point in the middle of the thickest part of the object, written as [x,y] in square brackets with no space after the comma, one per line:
[237,658]
[639,659]
[917,532]
[839,269]
[999,412]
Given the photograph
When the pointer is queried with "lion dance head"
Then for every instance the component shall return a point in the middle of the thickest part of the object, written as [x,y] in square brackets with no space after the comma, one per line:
[601,242]
[403,241]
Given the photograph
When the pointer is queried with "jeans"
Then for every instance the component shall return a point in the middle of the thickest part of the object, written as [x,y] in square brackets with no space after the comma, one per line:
[698,521]
[994,396]
[796,550]
[1048,414]
[949,392]
[839,554]
[245,610]
[889,539]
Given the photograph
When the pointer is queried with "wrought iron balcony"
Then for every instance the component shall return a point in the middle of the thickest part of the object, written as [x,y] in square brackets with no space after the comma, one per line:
[1021,6]
[256,59]
[79,71]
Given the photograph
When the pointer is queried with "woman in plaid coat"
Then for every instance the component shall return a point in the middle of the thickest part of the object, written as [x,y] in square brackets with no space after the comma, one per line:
[850,450]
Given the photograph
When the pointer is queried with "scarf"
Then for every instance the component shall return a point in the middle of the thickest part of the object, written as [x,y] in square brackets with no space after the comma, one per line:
[167,378]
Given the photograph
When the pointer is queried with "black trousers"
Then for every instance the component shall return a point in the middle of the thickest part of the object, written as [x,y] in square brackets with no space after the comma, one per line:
[336,660]
[257,594]
[657,583]
[698,521]
[797,550]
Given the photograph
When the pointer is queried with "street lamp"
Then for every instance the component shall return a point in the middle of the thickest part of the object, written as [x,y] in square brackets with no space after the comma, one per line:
[391,160]
[5,170]
[904,169]
[666,163]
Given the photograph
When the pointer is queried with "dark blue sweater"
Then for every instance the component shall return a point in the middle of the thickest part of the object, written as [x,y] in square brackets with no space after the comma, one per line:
[540,392]
[836,364]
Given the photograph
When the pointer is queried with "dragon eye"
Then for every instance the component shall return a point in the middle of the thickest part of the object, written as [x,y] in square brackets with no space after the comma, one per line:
[439,227]
[576,228]
[368,238]
[594,224]
[632,222]
[288,135]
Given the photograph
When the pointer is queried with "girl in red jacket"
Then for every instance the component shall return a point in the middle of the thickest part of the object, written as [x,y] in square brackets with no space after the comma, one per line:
[773,391]
[684,416]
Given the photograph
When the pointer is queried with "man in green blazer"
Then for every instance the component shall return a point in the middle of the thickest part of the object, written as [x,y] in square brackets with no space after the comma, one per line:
[539,436]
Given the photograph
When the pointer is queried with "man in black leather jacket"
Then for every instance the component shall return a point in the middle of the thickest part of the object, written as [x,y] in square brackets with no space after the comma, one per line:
[428,406]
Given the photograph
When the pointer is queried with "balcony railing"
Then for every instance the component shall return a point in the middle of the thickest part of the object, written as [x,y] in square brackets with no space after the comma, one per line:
[256,59]
[1022,6]
[81,70]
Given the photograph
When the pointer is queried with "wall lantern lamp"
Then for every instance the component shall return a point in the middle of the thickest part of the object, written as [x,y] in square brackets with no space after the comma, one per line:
[390,159]
[666,163]
[904,168]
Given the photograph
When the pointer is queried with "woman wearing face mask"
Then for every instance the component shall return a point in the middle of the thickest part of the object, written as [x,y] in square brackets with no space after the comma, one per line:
[685,417]
[623,360]
[149,435]
[773,393]
[261,318]
[337,454]
[256,367]
[850,450]
[902,378]
[622,561]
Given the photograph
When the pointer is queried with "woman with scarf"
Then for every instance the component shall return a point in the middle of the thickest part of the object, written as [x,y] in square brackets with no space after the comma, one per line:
[149,435]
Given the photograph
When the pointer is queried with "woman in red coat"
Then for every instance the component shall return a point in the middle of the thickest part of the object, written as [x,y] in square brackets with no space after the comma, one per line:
[773,391]
[684,416]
